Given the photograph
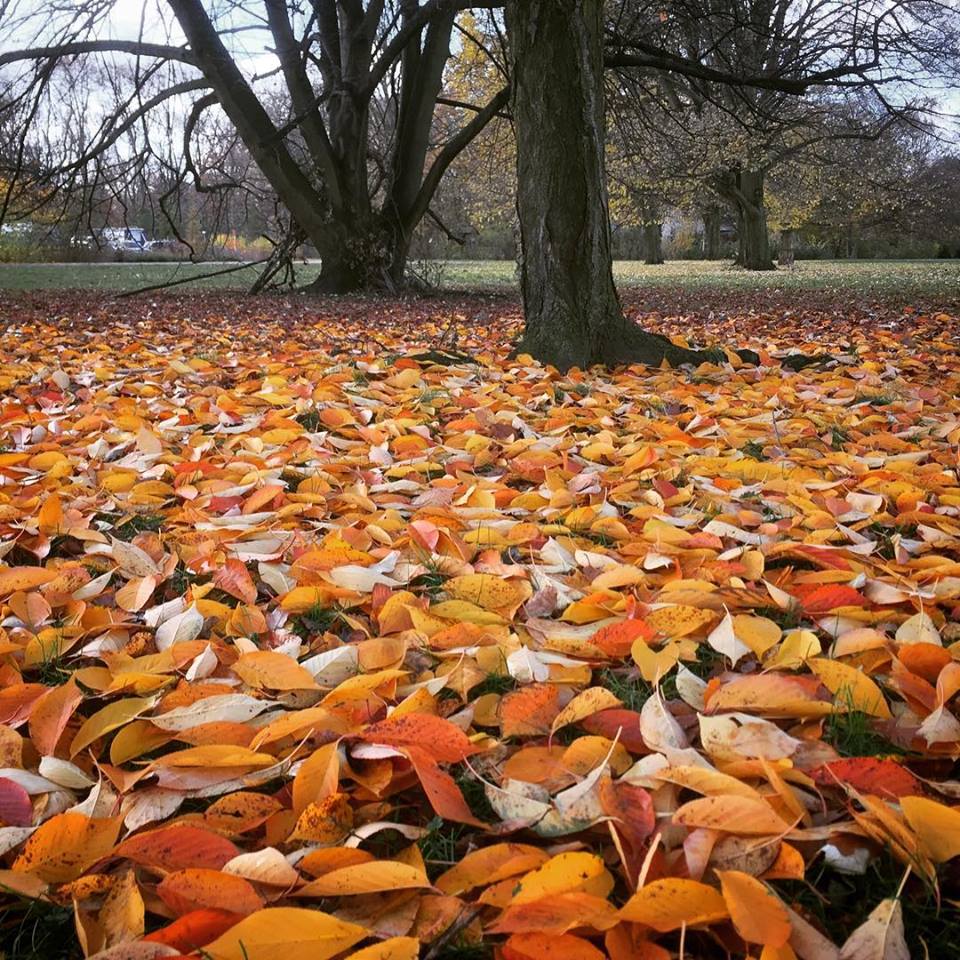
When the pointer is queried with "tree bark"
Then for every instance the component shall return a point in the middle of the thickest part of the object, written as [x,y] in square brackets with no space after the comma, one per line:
[573,313]
[754,243]
[785,257]
[711,233]
[653,243]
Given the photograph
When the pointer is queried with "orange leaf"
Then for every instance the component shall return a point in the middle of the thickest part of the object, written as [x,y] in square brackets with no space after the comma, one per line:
[234,578]
[61,849]
[443,740]
[758,916]
[543,946]
[186,890]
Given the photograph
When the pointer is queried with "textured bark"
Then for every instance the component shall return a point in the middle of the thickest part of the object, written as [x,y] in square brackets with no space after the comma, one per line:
[653,243]
[754,243]
[744,190]
[711,233]
[785,257]
[573,314]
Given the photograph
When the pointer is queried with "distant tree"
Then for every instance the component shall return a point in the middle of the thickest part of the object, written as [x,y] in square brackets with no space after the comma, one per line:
[865,51]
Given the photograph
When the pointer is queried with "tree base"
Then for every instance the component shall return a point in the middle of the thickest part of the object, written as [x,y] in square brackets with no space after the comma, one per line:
[624,343]
[761,264]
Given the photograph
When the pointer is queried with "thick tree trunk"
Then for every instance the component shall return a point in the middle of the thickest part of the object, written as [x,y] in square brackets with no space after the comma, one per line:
[785,257]
[354,257]
[753,239]
[573,314]
[653,243]
[711,234]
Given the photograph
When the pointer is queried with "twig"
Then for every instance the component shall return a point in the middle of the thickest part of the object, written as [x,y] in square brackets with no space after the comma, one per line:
[199,276]
[463,920]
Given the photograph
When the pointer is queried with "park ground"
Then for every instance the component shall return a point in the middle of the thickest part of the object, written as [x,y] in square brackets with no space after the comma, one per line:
[698,627]
[869,278]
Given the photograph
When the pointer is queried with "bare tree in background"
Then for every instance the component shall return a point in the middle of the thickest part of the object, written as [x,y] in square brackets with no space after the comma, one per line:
[573,315]
[340,66]
[862,66]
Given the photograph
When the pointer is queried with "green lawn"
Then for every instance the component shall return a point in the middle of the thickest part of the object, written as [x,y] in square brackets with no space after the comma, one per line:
[125,276]
[866,278]
[863,278]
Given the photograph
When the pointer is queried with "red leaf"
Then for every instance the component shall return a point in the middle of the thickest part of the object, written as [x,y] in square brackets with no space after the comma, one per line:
[444,741]
[16,810]
[441,789]
[195,929]
[617,639]
[177,848]
[829,597]
[885,778]
[234,578]
[608,723]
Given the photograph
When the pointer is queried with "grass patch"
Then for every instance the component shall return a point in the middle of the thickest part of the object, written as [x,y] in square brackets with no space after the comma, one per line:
[632,691]
[317,620]
[754,450]
[839,904]
[310,421]
[903,280]
[499,683]
[439,846]
[474,792]
[37,930]
[884,535]
[852,734]
[785,619]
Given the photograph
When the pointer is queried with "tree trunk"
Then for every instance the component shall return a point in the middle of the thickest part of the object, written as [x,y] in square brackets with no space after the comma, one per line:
[711,234]
[653,243]
[354,258]
[573,313]
[785,258]
[753,240]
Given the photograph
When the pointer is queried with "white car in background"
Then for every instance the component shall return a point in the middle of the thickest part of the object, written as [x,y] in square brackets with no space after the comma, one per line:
[125,238]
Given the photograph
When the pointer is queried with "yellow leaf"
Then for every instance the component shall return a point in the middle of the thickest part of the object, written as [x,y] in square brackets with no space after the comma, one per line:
[678,620]
[62,848]
[654,665]
[317,777]
[583,705]
[464,611]
[50,518]
[758,633]
[111,717]
[375,877]
[488,591]
[708,782]
[13,579]
[669,904]
[562,874]
[623,575]
[273,671]
[937,826]
[853,689]
[285,933]
[214,755]
[732,814]
[798,646]
[395,948]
